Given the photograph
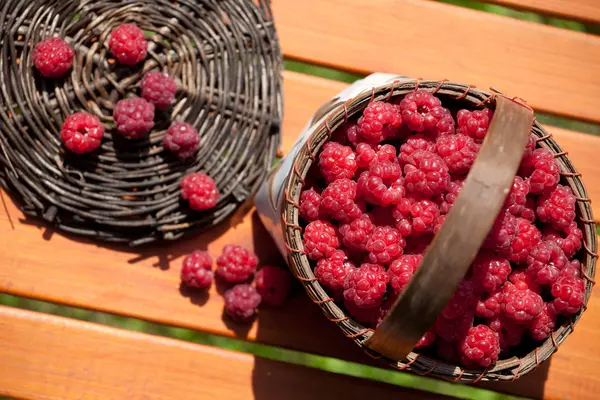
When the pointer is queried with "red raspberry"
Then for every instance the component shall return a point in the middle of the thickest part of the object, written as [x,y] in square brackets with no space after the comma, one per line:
[458,152]
[367,154]
[379,121]
[520,305]
[338,200]
[241,302]
[236,264]
[523,280]
[337,161]
[541,327]
[273,284]
[366,286]
[385,245]
[356,234]
[182,139]
[510,333]
[438,224]
[401,271]
[528,212]
[490,271]
[53,57]
[490,307]
[569,241]
[530,146]
[445,126]
[546,261]
[422,111]
[197,271]
[557,207]
[414,143]
[128,45]
[447,199]
[82,132]
[353,135]
[426,174]
[474,123]
[480,348]
[382,184]
[200,190]
[570,295]
[502,233]
[447,351]
[310,205]
[364,315]
[517,197]
[333,270]
[426,340]
[415,217]
[526,238]
[320,239]
[159,89]
[382,216]
[572,270]
[462,302]
[541,170]
[134,117]
[452,330]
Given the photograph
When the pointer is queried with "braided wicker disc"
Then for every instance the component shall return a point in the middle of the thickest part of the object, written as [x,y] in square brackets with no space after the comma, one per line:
[225,58]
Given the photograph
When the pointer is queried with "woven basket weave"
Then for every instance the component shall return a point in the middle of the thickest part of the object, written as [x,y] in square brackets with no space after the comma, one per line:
[226,60]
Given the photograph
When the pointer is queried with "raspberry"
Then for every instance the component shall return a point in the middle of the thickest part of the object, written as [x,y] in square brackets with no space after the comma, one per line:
[379,121]
[241,302]
[382,184]
[569,241]
[448,198]
[338,201]
[134,117]
[236,264]
[570,295]
[445,126]
[159,89]
[520,305]
[421,110]
[458,152]
[200,190]
[53,57]
[426,340]
[480,348]
[573,269]
[310,205]
[541,170]
[541,327]
[527,236]
[401,271]
[490,271]
[502,233]
[273,284]
[385,245]
[366,286]
[367,154]
[337,161]
[447,351]
[438,224]
[557,207]
[455,329]
[197,270]
[523,280]
[320,239]
[414,143]
[356,234]
[426,173]
[474,123]
[510,333]
[491,307]
[415,217]
[82,132]
[128,45]
[363,315]
[462,302]
[517,197]
[530,146]
[546,261]
[182,139]
[333,270]
[352,134]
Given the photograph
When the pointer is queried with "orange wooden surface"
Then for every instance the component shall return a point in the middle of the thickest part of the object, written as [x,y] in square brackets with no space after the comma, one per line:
[584,10]
[554,69]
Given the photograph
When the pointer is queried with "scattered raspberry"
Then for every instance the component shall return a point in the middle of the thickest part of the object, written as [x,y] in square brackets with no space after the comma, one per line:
[236,264]
[159,89]
[490,307]
[421,110]
[526,238]
[447,351]
[462,302]
[366,286]
[273,284]
[415,217]
[570,295]
[569,241]
[367,154]
[523,280]
[241,302]
[385,245]
[363,315]
[557,207]
[546,261]
[458,152]
[182,139]
[333,270]
[128,45]
[474,123]
[452,330]
[338,200]
[134,117]
[510,333]
[447,199]
[197,271]
[541,327]
[379,121]
[200,190]
[53,57]
[402,269]
[413,143]
[337,161]
[490,271]
[82,132]
[502,233]
[480,348]
[517,197]
[520,305]
[310,205]
[320,239]
[426,341]
[528,212]
[541,170]
[426,173]
[382,184]
[356,234]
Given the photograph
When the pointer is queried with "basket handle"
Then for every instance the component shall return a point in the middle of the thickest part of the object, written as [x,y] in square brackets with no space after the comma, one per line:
[466,226]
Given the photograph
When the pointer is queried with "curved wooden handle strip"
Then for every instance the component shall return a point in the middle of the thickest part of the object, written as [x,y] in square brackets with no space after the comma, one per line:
[453,249]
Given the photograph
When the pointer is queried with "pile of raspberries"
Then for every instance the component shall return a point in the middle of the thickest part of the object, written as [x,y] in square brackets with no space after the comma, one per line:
[380,191]
[134,116]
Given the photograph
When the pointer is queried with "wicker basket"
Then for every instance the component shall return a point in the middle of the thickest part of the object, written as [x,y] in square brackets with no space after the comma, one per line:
[225,57]
[404,324]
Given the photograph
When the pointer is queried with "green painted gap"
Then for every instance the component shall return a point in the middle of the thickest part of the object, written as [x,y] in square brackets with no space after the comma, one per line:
[265,351]
[323,72]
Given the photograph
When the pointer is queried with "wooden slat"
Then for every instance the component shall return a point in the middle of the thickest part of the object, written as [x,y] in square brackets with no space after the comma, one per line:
[47,357]
[554,69]
[581,10]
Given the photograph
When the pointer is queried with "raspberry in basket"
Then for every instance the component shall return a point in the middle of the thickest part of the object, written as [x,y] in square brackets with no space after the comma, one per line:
[379,121]
[458,152]
[568,240]
[82,132]
[541,170]
[557,207]
[480,348]
[368,154]
[134,117]
[421,110]
[462,302]
[528,212]
[426,340]
[366,286]
[273,284]
[527,236]
[502,233]
[159,89]
[573,269]
[569,293]
[415,216]
[524,280]
[541,327]
[490,272]
[426,174]
[128,45]
[236,264]
[310,205]
[320,239]
[197,270]
[447,199]
[520,305]
[452,330]
[413,143]
[382,184]
[241,302]
[356,233]
[337,161]
[365,315]
[182,139]
[510,333]
[338,201]
[545,262]
[385,245]
[332,271]
[474,123]
[517,197]
[200,190]
[401,271]
[53,57]
[490,307]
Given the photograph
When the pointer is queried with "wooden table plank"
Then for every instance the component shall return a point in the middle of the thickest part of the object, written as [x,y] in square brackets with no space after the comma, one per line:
[581,10]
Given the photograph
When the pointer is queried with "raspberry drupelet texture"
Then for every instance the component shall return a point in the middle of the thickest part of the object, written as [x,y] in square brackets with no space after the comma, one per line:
[422,111]
[356,233]
[241,302]
[541,327]
[452,330]
[480,348]
[491,307]
[200,190]
[572,270]
[413,143]
[448,198]
[458,152]
[520,305]
[82,132]
[474,123]
[53,57]
[490,272]
[569,240]
[368,154]
[236,264]
[337,161]
[415,217]
[528,212]
[366,286]
[401,271]
[527,236]
[379,121]
[462,302]
[545,262]
[273,284]
[364,315]
[310,205]
[523,280]
[530,146]
[128,45]
[182,139]
[134,117]
[569,295]
[557,207]
[517,197]
[426,174]
[385,245]
[502,233]
[333,270]
[509,333]
[382,184]
[197,271]
[320,239]
[338,201]
[541,171]
[159,89]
